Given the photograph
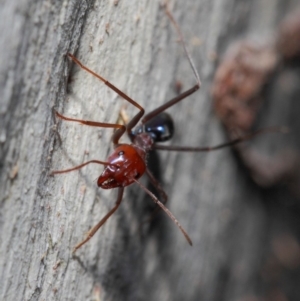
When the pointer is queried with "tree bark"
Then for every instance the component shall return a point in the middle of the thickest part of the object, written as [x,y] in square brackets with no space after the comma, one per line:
[234,223]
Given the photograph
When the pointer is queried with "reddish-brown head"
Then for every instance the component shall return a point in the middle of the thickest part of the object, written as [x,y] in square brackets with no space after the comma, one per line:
[127,165]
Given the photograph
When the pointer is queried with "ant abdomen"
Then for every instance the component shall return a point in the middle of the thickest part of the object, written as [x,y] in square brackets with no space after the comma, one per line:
[160,128]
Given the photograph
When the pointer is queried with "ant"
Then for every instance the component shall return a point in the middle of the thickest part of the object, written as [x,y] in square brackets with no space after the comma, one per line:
[128,162]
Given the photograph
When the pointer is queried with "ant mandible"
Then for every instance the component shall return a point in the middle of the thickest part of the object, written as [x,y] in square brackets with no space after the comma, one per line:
[128,163]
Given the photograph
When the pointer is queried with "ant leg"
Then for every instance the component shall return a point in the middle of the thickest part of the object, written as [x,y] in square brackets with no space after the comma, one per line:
[157,185]
[185,94]
[282,130]
[117,135]
[54,172]
[167,211]
[163,194]
[121,128]
[132,123]
[102,221]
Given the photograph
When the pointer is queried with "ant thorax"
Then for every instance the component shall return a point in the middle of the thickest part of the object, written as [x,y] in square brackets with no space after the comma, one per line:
[143,143]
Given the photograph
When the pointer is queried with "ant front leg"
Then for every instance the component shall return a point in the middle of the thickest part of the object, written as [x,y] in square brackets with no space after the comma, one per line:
[55,172]
[102,221]
[120,131]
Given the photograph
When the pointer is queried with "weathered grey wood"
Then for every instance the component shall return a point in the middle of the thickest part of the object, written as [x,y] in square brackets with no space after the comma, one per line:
[132,44]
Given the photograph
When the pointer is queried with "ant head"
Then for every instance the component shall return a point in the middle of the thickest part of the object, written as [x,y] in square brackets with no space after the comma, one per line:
[160,128]
[127,164]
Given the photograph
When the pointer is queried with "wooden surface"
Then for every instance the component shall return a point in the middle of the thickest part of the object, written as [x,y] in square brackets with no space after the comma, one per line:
[234,224]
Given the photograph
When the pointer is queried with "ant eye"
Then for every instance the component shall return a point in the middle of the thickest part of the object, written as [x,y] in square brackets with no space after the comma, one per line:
[121,153]
[137,176]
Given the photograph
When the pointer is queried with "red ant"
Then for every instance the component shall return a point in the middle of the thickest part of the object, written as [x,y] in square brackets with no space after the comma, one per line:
[128,161]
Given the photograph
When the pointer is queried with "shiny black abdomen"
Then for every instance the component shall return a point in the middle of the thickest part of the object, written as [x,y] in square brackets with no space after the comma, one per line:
[160,128]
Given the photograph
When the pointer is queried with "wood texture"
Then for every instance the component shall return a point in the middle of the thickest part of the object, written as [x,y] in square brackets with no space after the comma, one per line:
[231,220]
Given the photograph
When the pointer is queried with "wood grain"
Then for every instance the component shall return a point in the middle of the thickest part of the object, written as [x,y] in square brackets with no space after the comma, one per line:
[231,220]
